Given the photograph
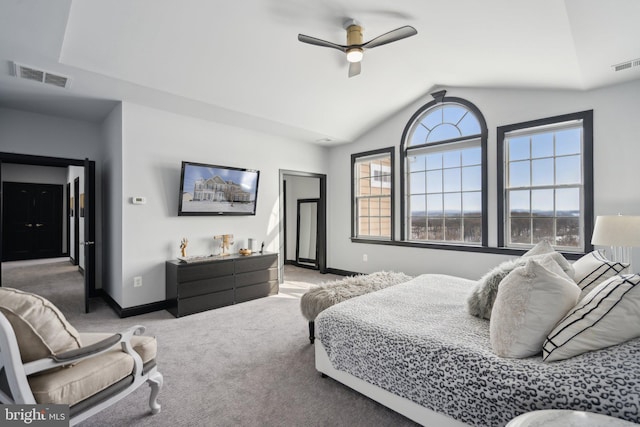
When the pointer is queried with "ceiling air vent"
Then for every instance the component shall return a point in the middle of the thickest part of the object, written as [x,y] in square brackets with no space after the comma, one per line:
[31,73]
[626,65]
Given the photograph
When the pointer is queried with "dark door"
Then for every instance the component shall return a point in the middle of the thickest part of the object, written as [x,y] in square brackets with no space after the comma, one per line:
[89,232]
[67,248]
[76,222]
[32,221]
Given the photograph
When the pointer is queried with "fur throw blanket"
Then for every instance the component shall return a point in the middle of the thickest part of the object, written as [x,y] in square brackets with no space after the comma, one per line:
[327,294]
[483,295]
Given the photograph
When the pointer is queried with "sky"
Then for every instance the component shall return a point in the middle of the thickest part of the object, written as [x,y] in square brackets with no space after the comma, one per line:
[536,163]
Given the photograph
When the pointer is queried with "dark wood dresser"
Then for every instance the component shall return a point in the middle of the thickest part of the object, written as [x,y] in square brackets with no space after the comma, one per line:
[204,285]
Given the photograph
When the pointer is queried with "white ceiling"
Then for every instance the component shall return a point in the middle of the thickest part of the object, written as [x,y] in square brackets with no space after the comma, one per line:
[240,62]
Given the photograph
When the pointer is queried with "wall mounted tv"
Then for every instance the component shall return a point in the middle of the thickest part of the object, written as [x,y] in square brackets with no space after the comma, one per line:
[217,190]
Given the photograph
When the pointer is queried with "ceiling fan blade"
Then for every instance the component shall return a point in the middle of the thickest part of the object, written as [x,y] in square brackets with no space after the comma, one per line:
[354,68]
[391,36]
[320,42]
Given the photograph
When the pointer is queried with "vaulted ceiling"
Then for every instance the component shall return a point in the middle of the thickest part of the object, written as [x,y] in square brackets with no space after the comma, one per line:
[239,62]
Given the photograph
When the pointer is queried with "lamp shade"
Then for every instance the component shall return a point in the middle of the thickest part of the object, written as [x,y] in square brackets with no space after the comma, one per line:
[616,230]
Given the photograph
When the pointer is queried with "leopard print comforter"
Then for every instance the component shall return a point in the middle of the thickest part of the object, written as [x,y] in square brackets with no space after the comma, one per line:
[416,340]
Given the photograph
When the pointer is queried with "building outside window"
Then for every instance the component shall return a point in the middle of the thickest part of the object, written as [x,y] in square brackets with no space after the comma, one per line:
[547,189]
[372,194]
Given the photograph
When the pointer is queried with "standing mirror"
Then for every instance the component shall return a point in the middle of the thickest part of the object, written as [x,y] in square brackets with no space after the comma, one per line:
[307,233]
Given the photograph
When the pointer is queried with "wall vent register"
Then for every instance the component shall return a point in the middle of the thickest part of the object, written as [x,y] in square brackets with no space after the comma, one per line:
[22,71]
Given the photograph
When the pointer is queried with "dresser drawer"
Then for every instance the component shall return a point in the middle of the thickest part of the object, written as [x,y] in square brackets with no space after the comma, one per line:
[204,302]
[254,263]
[205,286]
[247,293]
[204,270]
[255,277]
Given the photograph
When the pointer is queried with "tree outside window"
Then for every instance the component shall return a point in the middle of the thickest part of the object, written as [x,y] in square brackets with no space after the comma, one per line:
[547,186]
[444,172]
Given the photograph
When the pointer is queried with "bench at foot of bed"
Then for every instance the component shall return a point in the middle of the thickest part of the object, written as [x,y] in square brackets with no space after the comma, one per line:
[327,294]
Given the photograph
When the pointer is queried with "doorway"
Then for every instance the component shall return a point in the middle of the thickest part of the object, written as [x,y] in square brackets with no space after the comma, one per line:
[295,186]
[88,190]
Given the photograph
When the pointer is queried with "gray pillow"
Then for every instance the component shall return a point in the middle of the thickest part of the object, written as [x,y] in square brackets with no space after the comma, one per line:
[483,295]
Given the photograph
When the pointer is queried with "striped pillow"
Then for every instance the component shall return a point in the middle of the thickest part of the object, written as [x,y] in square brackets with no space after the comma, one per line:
[593,269]
[607,316]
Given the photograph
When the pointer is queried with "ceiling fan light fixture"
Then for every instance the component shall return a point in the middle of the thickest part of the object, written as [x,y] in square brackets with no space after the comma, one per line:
[354,54]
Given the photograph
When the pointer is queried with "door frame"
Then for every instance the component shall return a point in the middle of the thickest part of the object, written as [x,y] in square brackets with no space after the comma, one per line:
[322,220]
[29,159]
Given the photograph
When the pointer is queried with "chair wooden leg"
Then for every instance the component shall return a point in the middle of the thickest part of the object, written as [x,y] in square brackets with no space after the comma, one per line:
[312,334]
[155,381]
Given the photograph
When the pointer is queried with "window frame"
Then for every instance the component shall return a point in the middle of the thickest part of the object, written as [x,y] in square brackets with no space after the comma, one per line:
[440,98]
[354,208]
[587,165]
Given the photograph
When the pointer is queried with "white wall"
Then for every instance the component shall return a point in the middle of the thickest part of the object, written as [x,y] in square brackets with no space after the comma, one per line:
[153,145]
[111,183]
[298,187]
[41,175]
[616,152]
[42,135]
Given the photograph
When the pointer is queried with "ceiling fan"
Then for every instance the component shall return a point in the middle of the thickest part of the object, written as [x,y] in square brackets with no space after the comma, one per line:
[354,49]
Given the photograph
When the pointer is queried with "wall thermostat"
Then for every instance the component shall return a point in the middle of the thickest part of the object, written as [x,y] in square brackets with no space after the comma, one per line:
[139,200]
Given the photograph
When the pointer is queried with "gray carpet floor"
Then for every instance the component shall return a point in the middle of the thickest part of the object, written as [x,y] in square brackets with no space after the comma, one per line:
[249,364]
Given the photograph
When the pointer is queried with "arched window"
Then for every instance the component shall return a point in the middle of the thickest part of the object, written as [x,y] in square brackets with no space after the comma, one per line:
[444,151]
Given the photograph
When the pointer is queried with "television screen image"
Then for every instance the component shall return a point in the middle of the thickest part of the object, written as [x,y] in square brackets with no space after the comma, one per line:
[217,190]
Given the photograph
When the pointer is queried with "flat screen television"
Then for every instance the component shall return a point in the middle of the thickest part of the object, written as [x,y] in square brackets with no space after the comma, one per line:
[217,190]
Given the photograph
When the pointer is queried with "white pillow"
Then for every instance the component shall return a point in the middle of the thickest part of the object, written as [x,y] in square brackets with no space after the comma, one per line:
[541,248]
[607,316]
[530,302]
[593,269]
[481,298]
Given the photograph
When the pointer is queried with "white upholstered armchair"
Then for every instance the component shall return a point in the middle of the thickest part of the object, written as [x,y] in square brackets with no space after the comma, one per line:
[44,360]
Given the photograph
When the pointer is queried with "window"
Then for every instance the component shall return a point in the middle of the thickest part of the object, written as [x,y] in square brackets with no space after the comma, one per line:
[547,184]
[372,190]
[444,174]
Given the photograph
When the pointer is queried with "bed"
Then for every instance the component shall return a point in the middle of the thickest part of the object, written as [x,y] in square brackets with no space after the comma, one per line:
[414,348]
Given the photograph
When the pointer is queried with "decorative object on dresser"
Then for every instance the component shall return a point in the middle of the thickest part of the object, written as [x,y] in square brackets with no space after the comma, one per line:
[183,247]
[216,282]
[226,240]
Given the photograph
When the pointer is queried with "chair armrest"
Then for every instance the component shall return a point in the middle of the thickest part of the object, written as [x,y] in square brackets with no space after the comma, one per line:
[90,350]
[77,355]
